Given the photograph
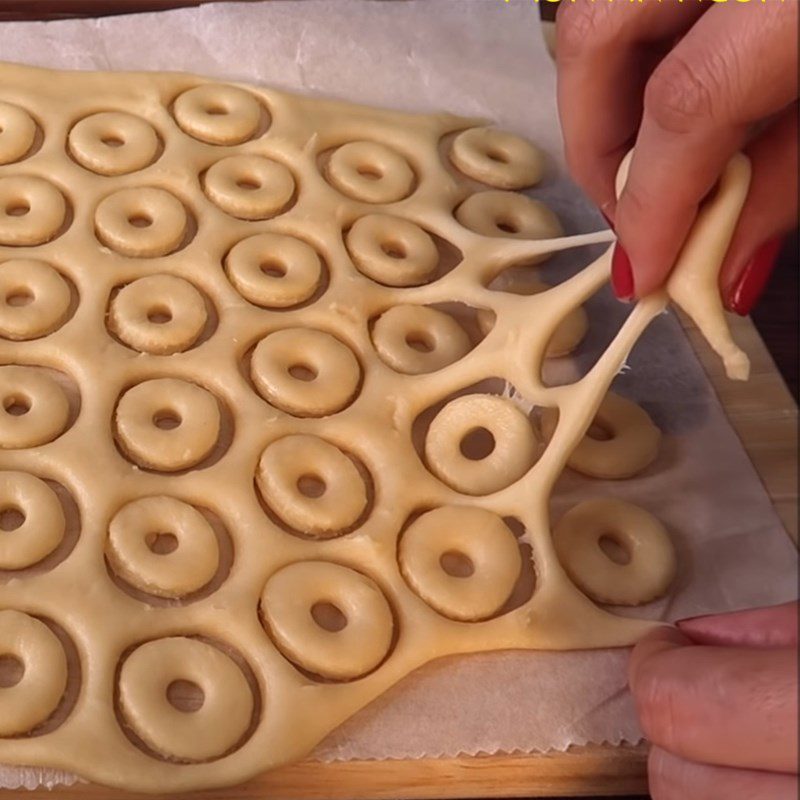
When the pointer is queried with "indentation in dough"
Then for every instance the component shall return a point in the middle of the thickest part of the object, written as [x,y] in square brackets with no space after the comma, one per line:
[219,114]
[275,271]
[156,720]
[418,339]
[35,299]
[18,133]
[113,143]
[250,187]
[144,222]
[37,405]
[32,211]
[160,314]
[304,372]
[369,171]
[328,651]
[312,488]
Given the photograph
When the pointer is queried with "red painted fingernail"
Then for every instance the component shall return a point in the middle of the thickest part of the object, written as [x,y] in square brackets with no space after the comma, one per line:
[621,274]
[744,294]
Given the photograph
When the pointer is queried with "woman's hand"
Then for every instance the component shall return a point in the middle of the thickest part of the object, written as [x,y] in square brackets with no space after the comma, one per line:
[689,83]
[717,699]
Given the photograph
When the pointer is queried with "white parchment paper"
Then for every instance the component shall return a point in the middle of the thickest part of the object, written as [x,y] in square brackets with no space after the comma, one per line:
[481,58]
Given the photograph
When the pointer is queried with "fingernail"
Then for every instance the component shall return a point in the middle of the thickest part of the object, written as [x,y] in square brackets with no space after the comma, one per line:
[621,274]
[744,294]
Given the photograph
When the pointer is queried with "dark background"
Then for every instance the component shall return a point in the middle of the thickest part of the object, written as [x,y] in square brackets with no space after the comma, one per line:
[776,315]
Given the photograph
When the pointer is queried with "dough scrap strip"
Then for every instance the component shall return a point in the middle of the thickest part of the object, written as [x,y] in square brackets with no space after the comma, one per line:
[104,623]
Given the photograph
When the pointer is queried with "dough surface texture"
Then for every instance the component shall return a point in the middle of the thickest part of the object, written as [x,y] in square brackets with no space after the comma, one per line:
[242,420]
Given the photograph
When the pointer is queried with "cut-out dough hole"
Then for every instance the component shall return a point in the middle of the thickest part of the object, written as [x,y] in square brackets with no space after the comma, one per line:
[162,543]
[498,156]
[328,617]
[167,419]
[11,518]
[477,444]
[457,565]
[303,372]
[159,315]
[185,696]
[614,549]
[273,269]
[368,171]
[17,405]
[507,225]
[421,342]
[112,141]
[599,432]
[11,671]
[216,111]
[311,486]
[17,209]
[19,297]
[394,249]
[140,221]
[251,184]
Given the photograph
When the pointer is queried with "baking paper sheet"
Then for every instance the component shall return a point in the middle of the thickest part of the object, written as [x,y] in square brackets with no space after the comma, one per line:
[481,58]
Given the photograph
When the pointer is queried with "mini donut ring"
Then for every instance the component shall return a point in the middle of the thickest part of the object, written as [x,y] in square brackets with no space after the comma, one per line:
[497,158]
[514,452]
[34,299]
[141,222]
[218,114]
[392,251]
[509,215]
[328,372]
[249,187]
[210,731]
[113,143]
[479,535]
[187,568]
[632,442]
[370,172]
[32,211]
[17,133]
[287,605]
[567,335]
[272,270]
[280,477]
[43,523]
[159,314]
[44,679]
[144,416]
[652,562]
[417,339]
[34,410]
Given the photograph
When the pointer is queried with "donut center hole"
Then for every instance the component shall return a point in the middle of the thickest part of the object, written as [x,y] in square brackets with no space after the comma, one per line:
[11,518]
[167,419]
[599,432]
[216,111]
[394,249]
[185,696]
[113,141]
[311,486]
[457,564]
[507,225]
[19,297]
[497,155]
[273,269]
[477,444]
[616,551]
[420,341]
[328,617]
[11,671]
[302,372]
[17,208]
[140,221]
[162,543]
[159,315]
[370,172]
[16,405]
[249,184]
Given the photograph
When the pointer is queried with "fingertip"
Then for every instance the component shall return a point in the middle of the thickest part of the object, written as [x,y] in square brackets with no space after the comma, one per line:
[658,641]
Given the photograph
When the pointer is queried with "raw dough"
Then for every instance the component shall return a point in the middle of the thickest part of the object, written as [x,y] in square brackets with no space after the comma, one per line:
[251,644]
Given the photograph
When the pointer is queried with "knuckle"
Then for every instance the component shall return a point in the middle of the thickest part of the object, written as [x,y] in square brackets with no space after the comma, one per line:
[579,28]
[680,94]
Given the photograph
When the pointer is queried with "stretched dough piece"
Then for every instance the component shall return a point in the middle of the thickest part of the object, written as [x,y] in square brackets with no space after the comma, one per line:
[693,283]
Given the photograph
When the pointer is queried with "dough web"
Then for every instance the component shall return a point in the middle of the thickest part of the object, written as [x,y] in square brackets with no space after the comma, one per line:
[160,416]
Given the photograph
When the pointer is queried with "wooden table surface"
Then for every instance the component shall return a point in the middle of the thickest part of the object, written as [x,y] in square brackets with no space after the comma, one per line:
[764,414]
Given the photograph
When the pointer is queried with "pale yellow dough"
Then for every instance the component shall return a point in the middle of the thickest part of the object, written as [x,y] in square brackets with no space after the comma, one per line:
[325,500]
